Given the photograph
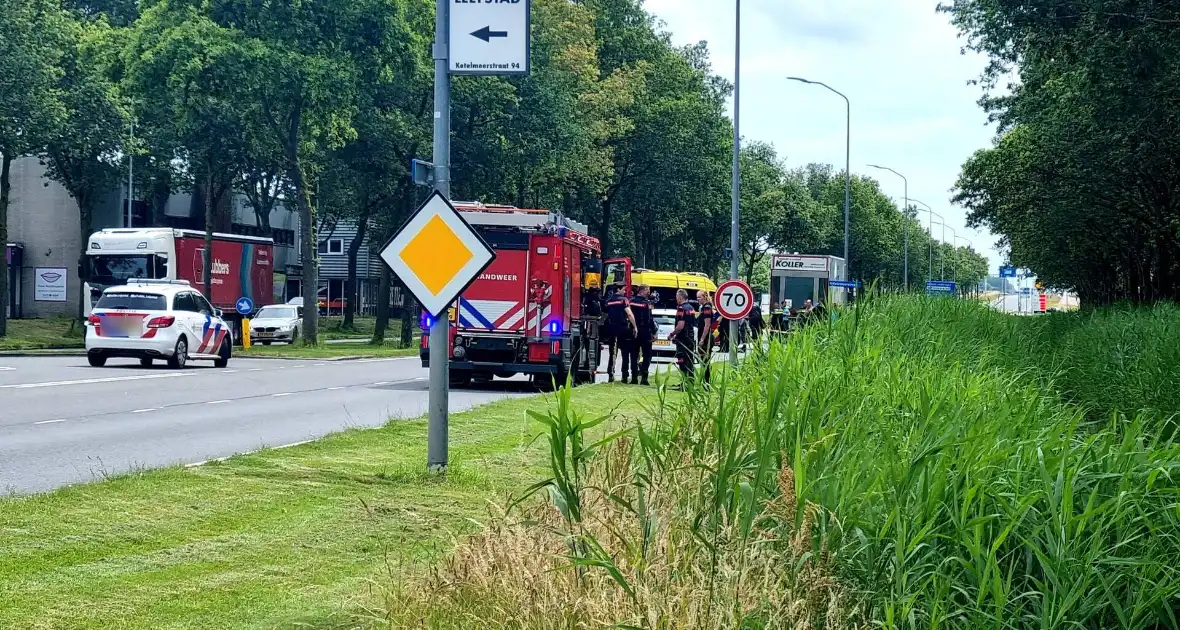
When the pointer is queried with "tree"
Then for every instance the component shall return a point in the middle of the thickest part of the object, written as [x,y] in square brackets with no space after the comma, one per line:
[82,152]
[34,32]
[1082,182]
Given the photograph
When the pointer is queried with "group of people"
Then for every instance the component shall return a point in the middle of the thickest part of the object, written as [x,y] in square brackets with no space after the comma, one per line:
[784,317]
[630,328]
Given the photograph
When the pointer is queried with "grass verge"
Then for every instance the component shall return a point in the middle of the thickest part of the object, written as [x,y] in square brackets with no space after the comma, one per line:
[42,334]
[273,539]
[905,467]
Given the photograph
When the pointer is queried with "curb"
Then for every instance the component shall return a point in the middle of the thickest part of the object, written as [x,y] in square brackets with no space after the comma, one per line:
[48,352]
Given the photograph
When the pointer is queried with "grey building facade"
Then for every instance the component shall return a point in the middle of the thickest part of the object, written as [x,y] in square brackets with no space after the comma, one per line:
[44,240]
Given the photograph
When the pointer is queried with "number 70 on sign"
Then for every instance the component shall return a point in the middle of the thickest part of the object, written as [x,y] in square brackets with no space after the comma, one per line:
[734,299]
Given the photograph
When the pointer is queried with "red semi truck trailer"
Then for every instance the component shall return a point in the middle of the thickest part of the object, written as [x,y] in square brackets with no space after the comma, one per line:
[243,266]
[536,309]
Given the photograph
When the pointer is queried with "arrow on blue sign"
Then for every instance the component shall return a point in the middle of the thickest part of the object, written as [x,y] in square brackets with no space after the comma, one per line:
[244,306]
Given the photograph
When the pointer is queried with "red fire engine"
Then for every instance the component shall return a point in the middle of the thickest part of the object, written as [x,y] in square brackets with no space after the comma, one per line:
[536,309]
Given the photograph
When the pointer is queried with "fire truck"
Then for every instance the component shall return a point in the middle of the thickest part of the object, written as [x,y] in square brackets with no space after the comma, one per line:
[536,309]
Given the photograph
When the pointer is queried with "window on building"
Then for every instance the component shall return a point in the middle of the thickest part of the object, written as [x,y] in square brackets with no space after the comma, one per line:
[332,246]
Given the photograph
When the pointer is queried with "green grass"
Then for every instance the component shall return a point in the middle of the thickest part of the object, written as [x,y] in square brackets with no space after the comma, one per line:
[391,348]
[40,334]
[273,539]
[913,456]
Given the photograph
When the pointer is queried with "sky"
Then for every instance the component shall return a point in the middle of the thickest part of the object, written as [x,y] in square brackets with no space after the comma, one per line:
[898,61]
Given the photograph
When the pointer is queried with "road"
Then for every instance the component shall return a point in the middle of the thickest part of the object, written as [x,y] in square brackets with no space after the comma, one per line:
[64,422]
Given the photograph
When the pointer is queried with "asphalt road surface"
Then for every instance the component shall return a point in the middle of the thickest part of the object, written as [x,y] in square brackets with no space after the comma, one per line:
[64,422]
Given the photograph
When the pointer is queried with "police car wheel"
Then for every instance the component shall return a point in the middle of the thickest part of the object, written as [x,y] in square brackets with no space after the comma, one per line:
[222,359]
[96,360]
[179,356]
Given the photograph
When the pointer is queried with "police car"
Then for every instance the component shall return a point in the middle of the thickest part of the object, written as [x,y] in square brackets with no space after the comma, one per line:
[152,320]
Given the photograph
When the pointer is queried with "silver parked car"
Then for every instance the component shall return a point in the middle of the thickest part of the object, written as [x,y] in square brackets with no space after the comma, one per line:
[277,322]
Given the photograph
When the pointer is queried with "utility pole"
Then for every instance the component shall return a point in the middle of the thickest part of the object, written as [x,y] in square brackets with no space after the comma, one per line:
[735,193]
[905,213]
[847,159]
[437,429]
[131,172]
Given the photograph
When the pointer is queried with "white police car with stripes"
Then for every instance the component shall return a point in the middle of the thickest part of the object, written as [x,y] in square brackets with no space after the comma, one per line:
[156,319]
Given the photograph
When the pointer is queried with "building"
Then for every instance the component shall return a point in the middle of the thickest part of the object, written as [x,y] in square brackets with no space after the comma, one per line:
[44,243]
[333,252]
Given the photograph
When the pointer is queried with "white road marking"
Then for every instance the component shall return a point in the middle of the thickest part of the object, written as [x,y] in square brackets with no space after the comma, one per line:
[229,371]
[6,368]
[51,421]
[380,383]
[143,410]
[281,395]
[420,378]
[332,389]
[218,402]
[386,359]
[89,381]
[296,367]
[254,370]
[319,364]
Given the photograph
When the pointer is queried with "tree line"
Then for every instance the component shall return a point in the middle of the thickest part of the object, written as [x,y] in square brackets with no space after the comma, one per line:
[1083,183]
[320,106]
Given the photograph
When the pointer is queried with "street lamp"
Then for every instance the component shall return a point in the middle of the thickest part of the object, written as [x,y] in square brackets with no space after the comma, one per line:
[905,211]
[956,267]
[930,228]
[847,155]
[954,235]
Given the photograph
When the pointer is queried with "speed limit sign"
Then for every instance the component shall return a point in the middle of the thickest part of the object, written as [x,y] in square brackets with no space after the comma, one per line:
[734,299]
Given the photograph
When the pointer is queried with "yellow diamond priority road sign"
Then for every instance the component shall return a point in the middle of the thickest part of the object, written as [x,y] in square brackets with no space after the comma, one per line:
[437,254]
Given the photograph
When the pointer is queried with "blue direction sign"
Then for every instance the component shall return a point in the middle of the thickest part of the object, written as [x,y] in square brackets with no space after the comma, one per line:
[940,287]
[244,306]
[1007,271]
[844,284]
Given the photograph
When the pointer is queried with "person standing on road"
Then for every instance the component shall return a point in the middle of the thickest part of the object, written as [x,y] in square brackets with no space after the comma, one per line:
[756,323]
[620,325]
[645,329]
[684,336]
[708,321]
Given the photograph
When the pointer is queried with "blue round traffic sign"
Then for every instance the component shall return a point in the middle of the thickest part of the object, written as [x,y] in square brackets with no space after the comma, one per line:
[245,306]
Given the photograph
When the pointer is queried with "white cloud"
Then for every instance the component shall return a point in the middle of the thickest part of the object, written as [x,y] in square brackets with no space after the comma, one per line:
[898,61]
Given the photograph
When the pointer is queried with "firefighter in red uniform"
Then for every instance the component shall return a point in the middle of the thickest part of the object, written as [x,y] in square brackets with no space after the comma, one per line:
[684,335]
[645,329]
[707,322]
[620,330]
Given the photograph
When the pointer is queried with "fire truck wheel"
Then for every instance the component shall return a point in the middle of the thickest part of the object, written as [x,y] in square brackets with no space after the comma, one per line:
[460,378]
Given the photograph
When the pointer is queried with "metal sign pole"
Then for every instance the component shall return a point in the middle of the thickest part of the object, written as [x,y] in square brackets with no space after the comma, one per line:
[735,194]
[436,433]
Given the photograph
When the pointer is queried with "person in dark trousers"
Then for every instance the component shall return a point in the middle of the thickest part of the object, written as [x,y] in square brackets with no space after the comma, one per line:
[708,320]
[684,336]
[756,323]
[620,326]
[645,331]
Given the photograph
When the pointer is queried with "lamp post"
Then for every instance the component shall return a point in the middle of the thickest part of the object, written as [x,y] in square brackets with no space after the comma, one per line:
[958,238]
[930,229]
[847,155]
[954,235]
[905,212]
